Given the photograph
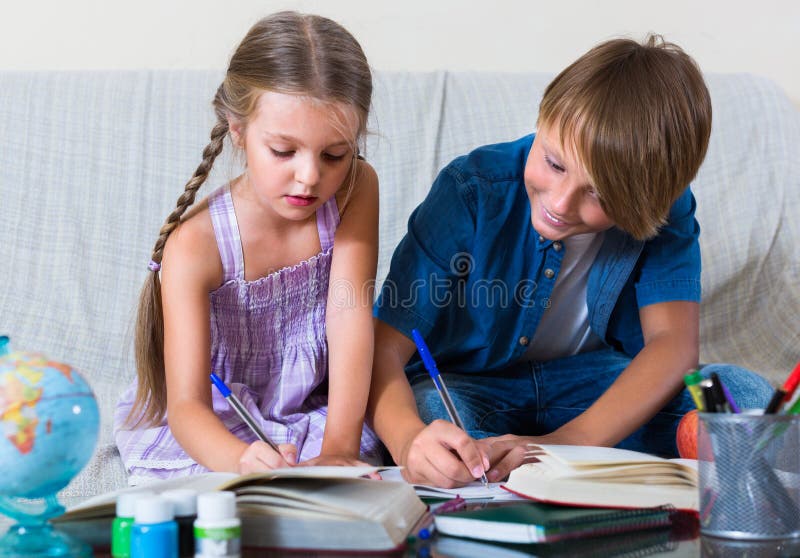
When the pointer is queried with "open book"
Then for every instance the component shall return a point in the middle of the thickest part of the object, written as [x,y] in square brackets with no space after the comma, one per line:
[328,508]
[605,477]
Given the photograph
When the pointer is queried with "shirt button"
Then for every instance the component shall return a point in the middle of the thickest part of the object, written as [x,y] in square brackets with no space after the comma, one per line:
[549,273]
[556,246]
[541,238]
[523,341]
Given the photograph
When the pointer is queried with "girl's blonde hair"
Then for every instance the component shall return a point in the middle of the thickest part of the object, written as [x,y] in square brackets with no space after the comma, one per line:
[286,52]
[638,117]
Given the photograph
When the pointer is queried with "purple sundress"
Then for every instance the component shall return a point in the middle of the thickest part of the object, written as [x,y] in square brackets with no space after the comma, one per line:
[268,344]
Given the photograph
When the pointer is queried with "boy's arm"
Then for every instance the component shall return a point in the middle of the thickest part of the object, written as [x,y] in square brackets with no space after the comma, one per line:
[349,318]
[439,454]
[653,378]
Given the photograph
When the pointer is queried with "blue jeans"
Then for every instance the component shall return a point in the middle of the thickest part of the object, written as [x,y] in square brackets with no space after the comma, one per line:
[535,398]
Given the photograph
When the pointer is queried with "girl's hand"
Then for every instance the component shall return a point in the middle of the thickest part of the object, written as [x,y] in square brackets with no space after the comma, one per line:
[339,460]
[260,457]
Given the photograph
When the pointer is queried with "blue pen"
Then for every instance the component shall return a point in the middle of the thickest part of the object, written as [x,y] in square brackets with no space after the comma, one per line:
[438,381]
[241,411]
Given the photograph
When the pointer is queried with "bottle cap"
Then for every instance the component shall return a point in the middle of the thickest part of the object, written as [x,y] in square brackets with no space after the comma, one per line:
[127,500]
[216,506]
[184,501]
[153,509]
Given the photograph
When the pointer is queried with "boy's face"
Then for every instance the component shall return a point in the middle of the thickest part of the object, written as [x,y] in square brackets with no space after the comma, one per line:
[563,201]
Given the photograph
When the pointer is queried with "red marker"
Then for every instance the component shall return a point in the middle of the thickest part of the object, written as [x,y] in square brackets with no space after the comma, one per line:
[784,394]
[791,382]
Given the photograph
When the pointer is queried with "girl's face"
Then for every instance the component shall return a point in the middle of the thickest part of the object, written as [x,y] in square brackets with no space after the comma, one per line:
[298,152]
[563,200]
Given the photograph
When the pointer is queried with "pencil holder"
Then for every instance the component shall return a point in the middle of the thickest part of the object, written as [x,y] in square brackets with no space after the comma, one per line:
[749,469]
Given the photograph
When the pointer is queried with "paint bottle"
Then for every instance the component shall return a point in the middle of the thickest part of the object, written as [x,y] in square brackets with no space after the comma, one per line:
[184,501]
[154,533]
[217,530]
[121,527]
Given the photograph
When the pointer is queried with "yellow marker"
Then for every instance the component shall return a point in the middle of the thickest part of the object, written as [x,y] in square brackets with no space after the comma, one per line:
[692,381]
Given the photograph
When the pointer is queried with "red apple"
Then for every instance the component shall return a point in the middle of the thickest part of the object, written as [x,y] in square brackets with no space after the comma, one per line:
[686,436]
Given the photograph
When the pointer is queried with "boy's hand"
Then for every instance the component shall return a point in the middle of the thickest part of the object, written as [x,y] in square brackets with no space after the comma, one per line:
[441,454]
[258,456]
[508,452]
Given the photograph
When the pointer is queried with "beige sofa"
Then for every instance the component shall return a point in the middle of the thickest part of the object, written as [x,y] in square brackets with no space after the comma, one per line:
[92,162]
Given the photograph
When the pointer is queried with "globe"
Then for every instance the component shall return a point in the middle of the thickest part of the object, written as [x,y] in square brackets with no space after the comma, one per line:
[49,422]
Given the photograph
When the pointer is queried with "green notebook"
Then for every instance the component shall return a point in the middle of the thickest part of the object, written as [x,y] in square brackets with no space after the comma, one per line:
[531,522]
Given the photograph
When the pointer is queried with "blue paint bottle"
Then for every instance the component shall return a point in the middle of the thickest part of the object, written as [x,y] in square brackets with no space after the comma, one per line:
[154,533]
[123,523]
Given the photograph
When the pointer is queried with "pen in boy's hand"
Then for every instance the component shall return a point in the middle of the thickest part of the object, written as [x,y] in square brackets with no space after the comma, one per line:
[240,409]
[438,381]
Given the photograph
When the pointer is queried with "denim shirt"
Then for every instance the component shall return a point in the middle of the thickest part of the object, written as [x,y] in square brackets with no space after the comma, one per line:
[474,277]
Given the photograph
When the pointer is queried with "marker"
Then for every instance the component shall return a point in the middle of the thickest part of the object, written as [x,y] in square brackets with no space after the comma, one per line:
[790,385]
[727,394]
[776,402]
[692,381]
[438,381]
[719,394]
[242,411]
[709,399]
[794,409]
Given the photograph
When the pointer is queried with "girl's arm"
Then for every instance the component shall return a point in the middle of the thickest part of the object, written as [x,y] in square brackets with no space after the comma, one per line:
[349,316]
[653,378]
[188,275]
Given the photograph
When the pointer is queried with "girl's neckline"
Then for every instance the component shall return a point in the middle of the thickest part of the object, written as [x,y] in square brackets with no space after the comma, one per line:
[282,271]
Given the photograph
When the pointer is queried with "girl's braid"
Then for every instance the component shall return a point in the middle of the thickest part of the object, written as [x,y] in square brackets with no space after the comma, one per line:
[210,153]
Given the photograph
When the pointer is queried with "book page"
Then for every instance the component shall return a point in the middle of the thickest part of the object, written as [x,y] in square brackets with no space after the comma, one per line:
[102,504]
[474,490]
[301,472]
[581,456]
[612,465]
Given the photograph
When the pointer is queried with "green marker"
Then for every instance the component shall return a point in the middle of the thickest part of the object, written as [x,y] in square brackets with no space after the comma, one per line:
[692,381]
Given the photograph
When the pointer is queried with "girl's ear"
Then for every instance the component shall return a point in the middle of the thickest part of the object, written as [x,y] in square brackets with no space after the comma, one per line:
[237,130]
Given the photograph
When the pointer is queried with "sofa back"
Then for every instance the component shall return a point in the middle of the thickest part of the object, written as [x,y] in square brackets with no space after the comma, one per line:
[92,162]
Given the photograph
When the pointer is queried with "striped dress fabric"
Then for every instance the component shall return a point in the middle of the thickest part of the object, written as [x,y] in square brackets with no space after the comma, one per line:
[268,344]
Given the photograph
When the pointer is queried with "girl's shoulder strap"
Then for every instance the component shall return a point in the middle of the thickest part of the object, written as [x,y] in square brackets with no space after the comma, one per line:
[226,231]
[327,221]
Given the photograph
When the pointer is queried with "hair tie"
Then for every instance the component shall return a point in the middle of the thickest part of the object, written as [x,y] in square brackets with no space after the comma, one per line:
[154,266]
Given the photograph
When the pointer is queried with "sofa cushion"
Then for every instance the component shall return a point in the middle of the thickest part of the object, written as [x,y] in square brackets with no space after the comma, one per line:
[92,163]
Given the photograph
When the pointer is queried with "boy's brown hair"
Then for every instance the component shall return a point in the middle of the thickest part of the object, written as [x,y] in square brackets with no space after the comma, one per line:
[639,119]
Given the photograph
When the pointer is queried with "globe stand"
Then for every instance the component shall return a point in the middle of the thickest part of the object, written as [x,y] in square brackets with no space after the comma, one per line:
[33,536]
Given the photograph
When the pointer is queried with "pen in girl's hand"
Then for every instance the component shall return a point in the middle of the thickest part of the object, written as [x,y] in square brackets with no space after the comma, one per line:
[241,411]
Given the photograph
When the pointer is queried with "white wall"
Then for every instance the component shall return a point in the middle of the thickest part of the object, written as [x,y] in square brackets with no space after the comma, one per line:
[761,37]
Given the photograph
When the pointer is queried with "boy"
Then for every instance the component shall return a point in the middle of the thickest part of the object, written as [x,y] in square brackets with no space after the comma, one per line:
[556,279]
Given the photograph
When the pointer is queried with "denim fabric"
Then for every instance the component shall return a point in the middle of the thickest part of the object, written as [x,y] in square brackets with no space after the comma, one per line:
[474,277]
[534,398]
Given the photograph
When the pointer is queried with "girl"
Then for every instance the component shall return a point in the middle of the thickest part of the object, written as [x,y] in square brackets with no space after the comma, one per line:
[244,276]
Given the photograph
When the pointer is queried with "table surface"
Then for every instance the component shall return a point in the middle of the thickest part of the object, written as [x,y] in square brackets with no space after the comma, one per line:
[683,539]
[680,541]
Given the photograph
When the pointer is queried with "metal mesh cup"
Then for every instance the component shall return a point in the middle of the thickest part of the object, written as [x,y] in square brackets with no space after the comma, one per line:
[749,475]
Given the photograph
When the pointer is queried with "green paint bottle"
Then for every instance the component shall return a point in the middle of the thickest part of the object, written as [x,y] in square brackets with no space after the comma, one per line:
[121,527]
